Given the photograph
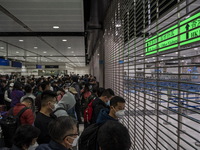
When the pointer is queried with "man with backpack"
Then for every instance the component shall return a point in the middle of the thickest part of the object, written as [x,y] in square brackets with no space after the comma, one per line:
[18,115]
[117,106]
[100,103]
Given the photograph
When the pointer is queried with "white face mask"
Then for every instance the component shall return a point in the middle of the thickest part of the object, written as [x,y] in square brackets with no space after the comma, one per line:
[75,141]
[10,88]
[120,114]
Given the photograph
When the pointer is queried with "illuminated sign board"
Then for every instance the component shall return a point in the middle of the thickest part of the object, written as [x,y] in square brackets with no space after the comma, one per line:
[169,38]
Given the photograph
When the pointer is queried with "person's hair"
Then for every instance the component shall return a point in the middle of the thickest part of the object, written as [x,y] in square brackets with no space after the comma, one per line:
[106,93]
[44,84]
[74,78]
[46,95]
[115,100]
[111,91]
[100,91]
[17,86]
[113,136]
[28,100]
[24,135]
[28,88]
[60,127]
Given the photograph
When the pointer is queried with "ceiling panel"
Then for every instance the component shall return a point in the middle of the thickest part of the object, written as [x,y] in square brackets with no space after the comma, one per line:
[41,16]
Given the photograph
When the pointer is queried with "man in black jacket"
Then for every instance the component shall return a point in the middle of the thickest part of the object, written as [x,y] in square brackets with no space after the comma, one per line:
[100,103]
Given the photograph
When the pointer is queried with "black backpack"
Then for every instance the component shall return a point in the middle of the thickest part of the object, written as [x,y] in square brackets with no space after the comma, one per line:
[9,124]
[88,138]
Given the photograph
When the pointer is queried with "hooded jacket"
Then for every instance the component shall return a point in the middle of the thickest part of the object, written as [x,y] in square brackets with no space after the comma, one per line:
[66,103]
[104,116]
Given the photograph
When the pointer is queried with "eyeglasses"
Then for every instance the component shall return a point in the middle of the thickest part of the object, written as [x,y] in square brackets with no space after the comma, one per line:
[70,135]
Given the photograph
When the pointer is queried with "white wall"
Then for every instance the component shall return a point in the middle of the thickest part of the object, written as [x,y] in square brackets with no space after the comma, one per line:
[81,70]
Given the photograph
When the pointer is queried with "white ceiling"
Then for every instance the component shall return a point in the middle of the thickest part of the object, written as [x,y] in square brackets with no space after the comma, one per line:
[41,16]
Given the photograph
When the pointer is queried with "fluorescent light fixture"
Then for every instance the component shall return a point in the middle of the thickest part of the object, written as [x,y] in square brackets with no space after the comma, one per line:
[64,40]
[74,55]
[184,55]
[72,52]
[51,55]
[69,47]
[44,52]
[195,49]
[17,52]
[142,55]
[21,40]
[56,27]
[2,47]
[4,55]
[163,55]
[176,52]
[171,57]
[35,47]
[98,54]
[27,55]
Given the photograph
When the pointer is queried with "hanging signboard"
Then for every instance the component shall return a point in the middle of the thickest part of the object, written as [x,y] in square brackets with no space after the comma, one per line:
[186,32]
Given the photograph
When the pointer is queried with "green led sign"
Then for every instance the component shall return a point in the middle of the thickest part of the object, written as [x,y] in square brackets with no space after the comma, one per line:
[168,38]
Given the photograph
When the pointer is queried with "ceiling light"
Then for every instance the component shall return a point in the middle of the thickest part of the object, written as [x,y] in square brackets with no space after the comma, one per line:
[17,52]
[4,55]
[98,54]
[27,55]
[69,47]
[72,52]
[153,57]
[195,49]
[51,55]
[171,57]
[2,47]
[56,27]
[64,40]
[74,55]
[161,59]
[176,52]
[142,55]
[21,40]
[44,52]
[35,57]
[46,60]
[163,55]
[184,55]
[35,47]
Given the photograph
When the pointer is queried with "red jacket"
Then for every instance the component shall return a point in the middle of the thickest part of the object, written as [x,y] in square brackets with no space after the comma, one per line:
[27,117]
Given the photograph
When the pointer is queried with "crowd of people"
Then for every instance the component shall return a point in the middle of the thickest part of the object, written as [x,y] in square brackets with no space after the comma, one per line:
[55,108]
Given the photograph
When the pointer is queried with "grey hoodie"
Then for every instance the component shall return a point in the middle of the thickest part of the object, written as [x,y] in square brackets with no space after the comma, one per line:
[67,102]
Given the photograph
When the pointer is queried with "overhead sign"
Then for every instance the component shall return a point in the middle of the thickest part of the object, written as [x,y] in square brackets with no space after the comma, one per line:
[169,38]
[4,62]
[51,66]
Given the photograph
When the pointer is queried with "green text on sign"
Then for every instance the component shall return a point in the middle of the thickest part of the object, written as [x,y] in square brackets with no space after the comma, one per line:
[168,38]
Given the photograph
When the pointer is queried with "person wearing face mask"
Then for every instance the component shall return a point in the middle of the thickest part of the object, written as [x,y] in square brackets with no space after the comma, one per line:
[24,137]
[64,134]
[48,102]
[100,103]
[117,105]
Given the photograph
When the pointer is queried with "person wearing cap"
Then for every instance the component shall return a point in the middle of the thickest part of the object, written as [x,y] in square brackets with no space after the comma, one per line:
[78,104]
[7,96]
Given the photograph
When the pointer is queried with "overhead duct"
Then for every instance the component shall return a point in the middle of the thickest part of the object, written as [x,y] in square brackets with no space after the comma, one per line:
[94,26]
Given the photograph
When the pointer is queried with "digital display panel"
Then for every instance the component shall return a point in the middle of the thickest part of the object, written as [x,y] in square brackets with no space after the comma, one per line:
[16,64]
[38,66]
[51,66]
[4,62]
[186,32]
